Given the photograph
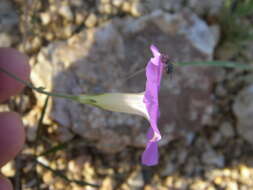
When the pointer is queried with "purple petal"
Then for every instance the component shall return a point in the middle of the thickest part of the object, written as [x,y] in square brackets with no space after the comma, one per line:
[154,72]
[150,155]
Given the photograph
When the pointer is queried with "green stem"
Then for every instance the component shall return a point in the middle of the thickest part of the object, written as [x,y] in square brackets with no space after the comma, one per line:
[60,174]
[39,89]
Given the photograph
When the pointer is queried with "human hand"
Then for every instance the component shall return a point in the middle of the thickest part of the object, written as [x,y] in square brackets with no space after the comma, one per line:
[11,128]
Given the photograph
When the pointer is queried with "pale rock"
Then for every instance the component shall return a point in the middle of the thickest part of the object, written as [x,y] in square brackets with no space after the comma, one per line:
[8,169]
[108,184]
[4,108]
[66,12]
[232,185]
[135,180]
[199,185]
[45,18]
[48,178]
[72,166]
[31,45]
[126,6]
[105,8]
[5,40]
[117,3]
[91,20]
[137,9]
[31,123]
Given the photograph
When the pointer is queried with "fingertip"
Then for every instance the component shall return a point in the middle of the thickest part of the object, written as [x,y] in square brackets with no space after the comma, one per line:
[16,63]
[12,136]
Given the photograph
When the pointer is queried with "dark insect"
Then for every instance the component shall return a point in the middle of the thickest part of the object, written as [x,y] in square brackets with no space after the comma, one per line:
[169,67]
[168,64]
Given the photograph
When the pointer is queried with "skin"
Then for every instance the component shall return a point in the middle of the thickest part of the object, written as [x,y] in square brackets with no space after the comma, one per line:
[12,133]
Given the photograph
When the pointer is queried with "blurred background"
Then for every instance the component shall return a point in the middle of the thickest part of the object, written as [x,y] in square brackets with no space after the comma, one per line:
[96,46]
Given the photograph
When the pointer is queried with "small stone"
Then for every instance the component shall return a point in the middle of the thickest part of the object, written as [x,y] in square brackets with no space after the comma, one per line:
[137,9]
[117,3]
[212,158]
[210,188]
[135,181]
[32,45]
[199,185]
[105,9]
[180,183]
[244,171]
[88,171]
[73,167]
[5,40]
[48,177]
[49,36]
[126,7]
[105,1]
[232,185]
[36,43]
[66,12]
[218,180]
[227,129]
[67,31]
[169,181]
[8,169]
[107,184]
[45,18]
[59,184]
[91,20]
[80,17]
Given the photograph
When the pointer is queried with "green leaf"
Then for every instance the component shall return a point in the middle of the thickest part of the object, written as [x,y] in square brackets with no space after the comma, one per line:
[245,8]
[226,64]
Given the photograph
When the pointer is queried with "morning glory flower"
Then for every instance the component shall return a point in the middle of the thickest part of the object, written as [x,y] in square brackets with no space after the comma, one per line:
[154,71]
[144,104]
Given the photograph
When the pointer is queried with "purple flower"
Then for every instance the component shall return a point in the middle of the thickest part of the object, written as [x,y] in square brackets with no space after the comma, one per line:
[144,104]
[154,71]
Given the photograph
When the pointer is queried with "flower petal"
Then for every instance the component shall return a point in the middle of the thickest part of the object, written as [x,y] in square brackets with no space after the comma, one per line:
[154,72]
[156,54]
[150,156]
